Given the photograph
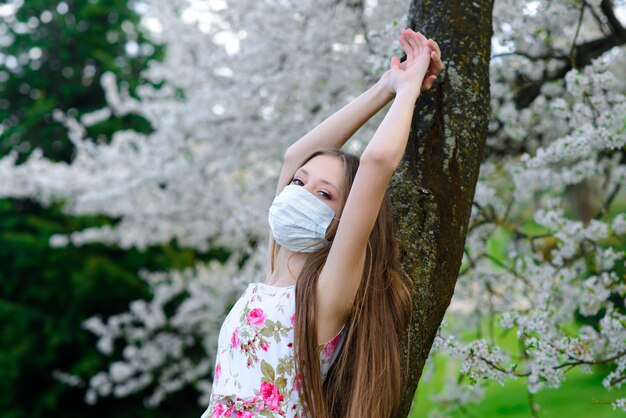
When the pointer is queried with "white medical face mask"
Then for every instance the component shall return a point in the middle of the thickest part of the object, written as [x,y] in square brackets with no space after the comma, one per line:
[299,220]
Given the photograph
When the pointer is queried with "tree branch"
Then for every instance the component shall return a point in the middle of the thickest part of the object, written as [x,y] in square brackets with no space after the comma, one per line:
[607,8]
[572,57]
[580,56]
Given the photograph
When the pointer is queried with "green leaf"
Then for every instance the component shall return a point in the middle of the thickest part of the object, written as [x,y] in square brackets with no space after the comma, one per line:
[267,370]
[281,382]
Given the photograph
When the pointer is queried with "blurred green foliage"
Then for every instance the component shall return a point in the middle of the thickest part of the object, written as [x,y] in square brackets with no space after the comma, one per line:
[46,293]
[53,54]
[58,52]
[581,395]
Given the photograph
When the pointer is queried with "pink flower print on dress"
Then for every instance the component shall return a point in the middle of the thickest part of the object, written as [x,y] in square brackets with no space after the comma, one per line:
[330,346]
[235,338]
[257,359]
[256,317]
[218,369]
[271,395]
[253,401]
[229,411]
[219,411]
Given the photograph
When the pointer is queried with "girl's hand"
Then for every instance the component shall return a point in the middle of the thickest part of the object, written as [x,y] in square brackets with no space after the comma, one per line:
[435,66]
[407,40]
[416,64]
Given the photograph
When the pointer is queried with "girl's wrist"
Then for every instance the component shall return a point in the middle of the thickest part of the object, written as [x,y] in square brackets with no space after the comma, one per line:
[381,91]
[413,86]
[408,92]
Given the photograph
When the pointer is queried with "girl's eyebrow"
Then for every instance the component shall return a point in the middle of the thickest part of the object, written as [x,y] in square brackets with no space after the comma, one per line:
[321,180]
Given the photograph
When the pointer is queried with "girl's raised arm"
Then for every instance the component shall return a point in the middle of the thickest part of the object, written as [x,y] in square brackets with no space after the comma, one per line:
[340,126]
[335,130]
[341,275]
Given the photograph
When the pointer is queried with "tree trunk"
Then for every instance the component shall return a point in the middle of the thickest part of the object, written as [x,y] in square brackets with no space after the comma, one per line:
[433,188]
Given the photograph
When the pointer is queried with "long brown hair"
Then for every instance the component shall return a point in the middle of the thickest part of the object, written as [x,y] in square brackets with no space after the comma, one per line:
[366,378]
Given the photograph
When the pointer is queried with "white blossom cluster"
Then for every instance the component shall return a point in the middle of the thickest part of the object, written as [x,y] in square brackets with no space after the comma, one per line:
[243,80]
[480,359]
[560,261]
[164,354]
[235,93]
[620,404]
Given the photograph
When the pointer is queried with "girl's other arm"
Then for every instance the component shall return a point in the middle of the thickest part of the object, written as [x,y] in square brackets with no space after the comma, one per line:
[336,129]
[339,127]
[341,275]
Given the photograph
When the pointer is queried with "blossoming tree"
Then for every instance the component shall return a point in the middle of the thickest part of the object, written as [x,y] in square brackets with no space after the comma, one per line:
[501,148]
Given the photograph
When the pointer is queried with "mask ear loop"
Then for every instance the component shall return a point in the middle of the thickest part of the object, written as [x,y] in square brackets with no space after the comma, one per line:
[330,241]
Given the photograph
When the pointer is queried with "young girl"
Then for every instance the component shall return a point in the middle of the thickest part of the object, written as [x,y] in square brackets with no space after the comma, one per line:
[322,336]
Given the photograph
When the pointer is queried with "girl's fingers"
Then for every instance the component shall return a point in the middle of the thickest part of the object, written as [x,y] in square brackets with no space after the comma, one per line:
[395,62]
[420,37]
[429,82]
[435,57]
[413,41]
[433,45]
[407,48]
[437,61]
[410,42]
[423,42]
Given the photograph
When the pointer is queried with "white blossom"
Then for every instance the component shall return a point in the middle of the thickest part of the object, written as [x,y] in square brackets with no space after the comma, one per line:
[234,91]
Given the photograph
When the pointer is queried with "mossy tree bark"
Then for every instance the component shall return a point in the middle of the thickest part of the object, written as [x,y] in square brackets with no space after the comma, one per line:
[433,188]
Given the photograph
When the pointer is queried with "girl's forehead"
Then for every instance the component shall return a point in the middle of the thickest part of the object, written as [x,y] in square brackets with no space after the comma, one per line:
[326,168]
[327,162]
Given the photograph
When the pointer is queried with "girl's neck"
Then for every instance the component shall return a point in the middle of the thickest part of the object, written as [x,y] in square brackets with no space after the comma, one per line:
[287,267]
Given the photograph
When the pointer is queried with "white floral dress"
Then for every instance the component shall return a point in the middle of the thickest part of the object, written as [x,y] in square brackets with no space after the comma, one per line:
[255,365]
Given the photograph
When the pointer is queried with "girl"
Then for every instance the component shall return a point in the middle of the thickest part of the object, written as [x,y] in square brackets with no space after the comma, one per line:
[322,336]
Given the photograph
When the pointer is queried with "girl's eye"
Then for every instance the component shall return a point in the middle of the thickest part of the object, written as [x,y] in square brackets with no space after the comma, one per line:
[297,180]
[326,195]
